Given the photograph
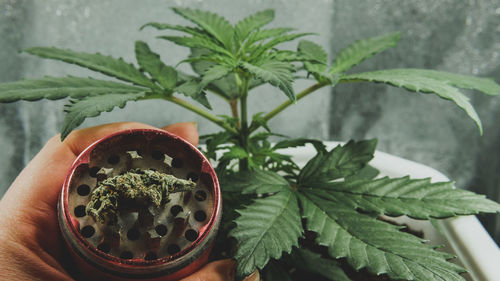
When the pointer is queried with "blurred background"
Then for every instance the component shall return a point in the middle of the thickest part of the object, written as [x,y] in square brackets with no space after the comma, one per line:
[456,36]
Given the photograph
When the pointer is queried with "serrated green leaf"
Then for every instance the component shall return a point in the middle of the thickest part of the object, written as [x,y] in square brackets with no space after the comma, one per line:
[258,181]
[214,141]
[419,199]
[367,242]
[363,49]
[196,42]
[210,58]
[201,66]
[104,64]
[340,162]
[366,173]
[412,81]
[261,136]
[264,34]
[186,29]
[264,156]
[152,64]
[315,62]
[225,87]
[274,158]
[212,23]
[318,145]
[278,74]
[285,56]
[191,89]
[215,72]
[275,272]
[234,152]
[245,26]
[266,228]
[229,120]
[93,106]
[184,77]
[261,49]
[485,85]
[313,52]
[54,88]
[259,119]
[312,262]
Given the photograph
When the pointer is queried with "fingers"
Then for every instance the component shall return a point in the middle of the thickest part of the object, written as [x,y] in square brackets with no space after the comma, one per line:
[255,276]
[78,140]
[222,270]
[186,130]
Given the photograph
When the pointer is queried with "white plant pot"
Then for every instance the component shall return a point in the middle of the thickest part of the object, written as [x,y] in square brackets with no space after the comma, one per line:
[463,236]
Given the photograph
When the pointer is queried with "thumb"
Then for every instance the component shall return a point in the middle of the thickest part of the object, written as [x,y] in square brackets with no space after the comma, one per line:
[186,130]
[221,270]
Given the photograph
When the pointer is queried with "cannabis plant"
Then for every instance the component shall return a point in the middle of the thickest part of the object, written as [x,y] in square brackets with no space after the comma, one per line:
[281,218]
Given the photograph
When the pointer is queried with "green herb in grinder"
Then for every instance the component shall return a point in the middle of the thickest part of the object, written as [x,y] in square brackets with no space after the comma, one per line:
[133,190]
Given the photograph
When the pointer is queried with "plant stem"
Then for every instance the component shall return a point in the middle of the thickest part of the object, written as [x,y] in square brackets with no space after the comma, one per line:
[244,117]
[287,103]
[244,130]
[234,112]
[198,111]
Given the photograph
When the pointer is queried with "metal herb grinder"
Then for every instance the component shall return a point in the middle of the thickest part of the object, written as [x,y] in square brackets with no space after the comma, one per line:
[170,243]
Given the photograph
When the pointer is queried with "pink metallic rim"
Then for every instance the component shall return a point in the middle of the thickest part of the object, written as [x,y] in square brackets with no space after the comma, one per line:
[84,157]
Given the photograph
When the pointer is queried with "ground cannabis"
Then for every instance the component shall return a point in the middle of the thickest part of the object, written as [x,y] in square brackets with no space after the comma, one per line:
[134,190]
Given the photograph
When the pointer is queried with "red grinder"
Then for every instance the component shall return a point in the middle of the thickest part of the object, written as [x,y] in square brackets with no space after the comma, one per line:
[172,242]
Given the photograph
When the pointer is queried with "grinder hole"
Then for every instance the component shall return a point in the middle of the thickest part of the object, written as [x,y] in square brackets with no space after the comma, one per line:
[200,216]
[200,195]
[126,255]
[113,159]
[83,190]
[151,256]
[105,247]
[87,231]
[133,234]
[161,229]
[177,163]
[93,171]
[80,211]
[191,235]
[175,210]
[173,249]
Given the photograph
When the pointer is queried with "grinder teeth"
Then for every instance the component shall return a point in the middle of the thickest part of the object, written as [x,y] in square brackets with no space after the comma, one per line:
[104,173]
[181,221]
[167,160]
[133,154]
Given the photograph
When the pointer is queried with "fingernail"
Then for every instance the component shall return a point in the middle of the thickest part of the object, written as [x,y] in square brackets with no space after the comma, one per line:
[255,276]
[195,124]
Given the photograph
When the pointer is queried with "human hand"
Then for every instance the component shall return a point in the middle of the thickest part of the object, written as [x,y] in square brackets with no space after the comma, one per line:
[31,246]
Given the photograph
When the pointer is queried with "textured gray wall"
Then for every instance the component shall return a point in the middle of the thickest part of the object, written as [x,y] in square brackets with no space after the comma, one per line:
[457,36]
